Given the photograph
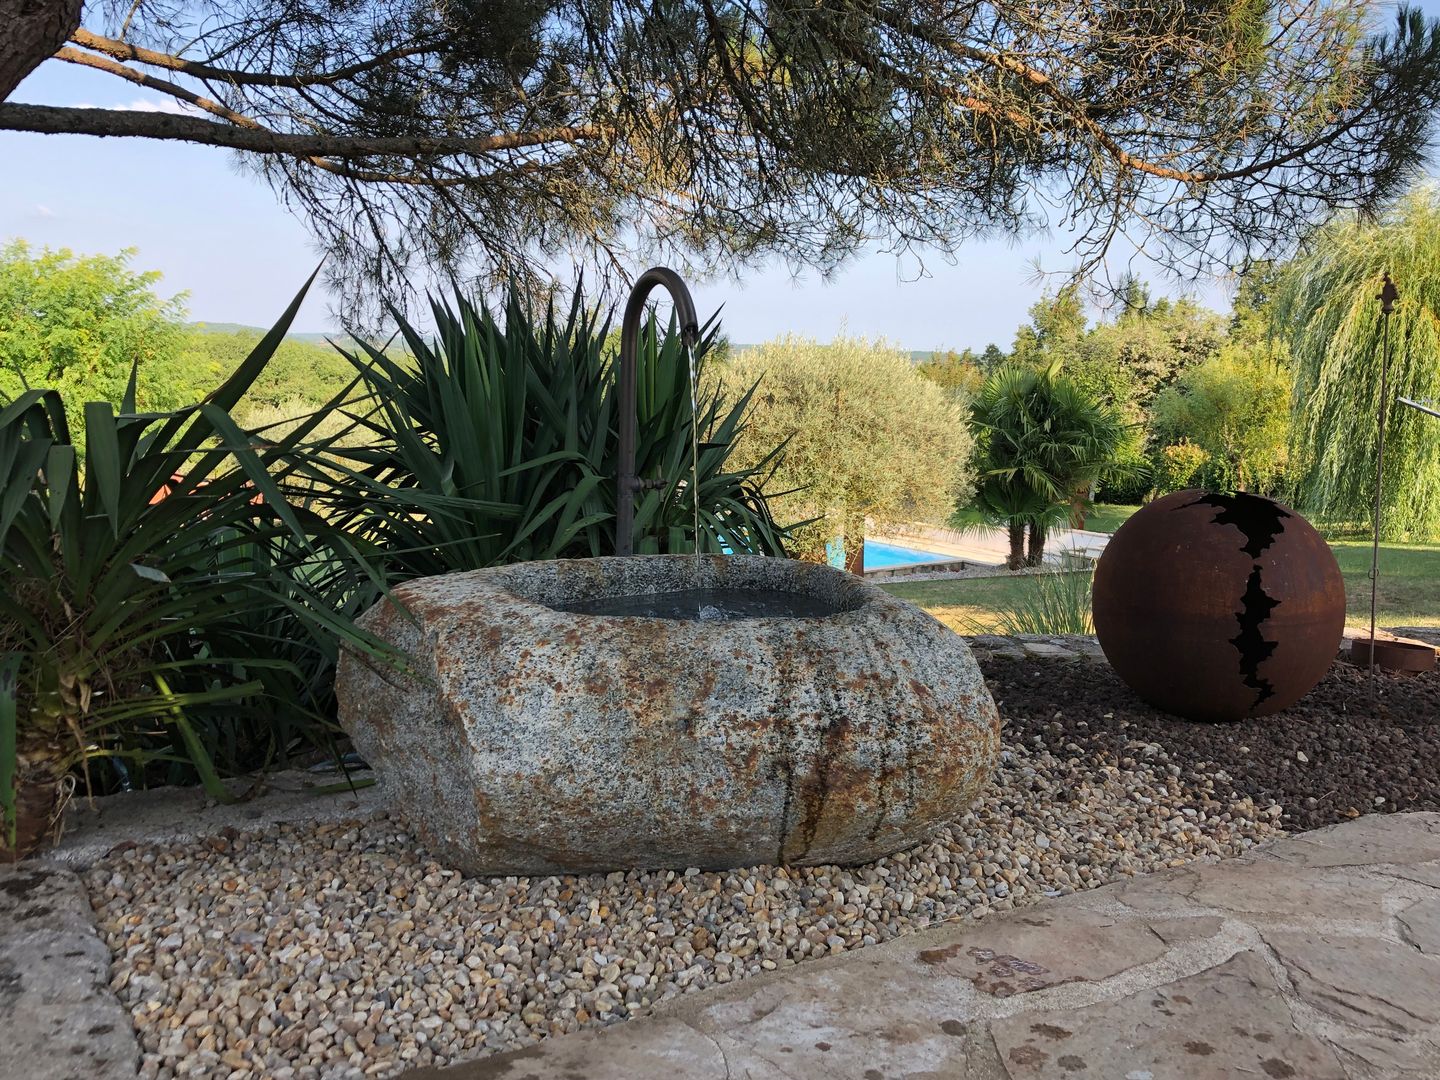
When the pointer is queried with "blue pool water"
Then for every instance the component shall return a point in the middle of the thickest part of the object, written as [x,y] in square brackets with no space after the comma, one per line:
[878,556]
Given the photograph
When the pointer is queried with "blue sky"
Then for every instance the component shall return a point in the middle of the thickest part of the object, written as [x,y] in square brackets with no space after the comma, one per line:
[224,238]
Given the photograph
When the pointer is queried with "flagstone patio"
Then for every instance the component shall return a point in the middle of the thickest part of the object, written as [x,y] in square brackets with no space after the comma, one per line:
[1316,958]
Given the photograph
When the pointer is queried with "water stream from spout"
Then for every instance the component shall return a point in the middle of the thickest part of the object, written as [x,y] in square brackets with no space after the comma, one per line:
[694,442]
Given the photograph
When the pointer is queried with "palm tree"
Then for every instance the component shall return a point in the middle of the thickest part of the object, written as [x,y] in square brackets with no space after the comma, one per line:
[1327,301]
[1044,443]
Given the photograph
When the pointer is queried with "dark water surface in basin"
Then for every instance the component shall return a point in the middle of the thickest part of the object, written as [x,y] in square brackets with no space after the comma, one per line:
[718,605]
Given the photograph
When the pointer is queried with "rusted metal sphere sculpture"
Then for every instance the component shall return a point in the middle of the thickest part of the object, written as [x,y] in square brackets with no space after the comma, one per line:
[1218,607]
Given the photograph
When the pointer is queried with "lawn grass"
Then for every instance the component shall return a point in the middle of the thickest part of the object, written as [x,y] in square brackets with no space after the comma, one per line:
[1107,517]
[1409,593]
[1409,589]
[966,605]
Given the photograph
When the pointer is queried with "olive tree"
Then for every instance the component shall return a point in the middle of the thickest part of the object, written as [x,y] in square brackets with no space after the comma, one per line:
[864,436]
[500,135]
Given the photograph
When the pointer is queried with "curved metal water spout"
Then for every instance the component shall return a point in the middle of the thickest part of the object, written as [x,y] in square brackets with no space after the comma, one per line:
[627,483]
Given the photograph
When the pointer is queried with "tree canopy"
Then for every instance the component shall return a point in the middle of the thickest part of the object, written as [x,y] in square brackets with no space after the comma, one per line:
[959,373]
[496,134]
[77,324]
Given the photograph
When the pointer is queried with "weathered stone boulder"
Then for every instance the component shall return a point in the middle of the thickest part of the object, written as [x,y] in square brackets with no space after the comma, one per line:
[535,739]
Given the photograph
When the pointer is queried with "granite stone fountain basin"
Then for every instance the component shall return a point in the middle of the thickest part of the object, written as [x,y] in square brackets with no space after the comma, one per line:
[668,711]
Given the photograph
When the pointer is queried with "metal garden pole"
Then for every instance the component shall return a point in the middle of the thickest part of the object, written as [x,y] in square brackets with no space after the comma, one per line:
[1388,295]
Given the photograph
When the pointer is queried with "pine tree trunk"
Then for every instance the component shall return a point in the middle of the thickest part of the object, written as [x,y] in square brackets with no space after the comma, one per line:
[1036,554]
[31,31]
[1017,546]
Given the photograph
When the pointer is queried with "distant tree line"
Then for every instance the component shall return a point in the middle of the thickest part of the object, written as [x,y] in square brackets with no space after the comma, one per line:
[1281,398]
[78,323]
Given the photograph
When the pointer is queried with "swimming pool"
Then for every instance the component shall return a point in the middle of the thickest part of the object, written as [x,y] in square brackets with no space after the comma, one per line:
[878,556]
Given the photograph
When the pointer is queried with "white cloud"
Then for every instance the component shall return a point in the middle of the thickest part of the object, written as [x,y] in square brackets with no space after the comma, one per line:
[150,105]
[160,105]
[43,211]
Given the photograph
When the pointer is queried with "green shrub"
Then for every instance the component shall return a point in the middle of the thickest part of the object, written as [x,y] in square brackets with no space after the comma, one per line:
[1235,409]
[1178,466]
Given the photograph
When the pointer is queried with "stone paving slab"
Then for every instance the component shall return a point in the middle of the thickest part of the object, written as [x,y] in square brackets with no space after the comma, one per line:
[1087,647]
[1315,958]
[94,827]
[58,1018]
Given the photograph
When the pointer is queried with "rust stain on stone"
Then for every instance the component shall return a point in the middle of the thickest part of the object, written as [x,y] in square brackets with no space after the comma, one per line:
[1028,1055]
[1051,1031]
[939,956]
[1001,968]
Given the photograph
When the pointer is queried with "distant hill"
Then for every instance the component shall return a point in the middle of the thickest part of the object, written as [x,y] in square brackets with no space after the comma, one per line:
[918,356]
[260,331]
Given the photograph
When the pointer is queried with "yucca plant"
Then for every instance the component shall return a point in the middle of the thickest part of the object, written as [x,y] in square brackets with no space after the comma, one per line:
[158,592]
[734,507]
[494,442]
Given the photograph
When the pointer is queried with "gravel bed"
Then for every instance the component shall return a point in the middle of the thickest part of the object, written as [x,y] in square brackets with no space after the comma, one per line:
[1336,754]
[341,950]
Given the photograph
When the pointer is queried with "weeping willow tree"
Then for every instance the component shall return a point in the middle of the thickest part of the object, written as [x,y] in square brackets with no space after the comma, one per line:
[1328,306]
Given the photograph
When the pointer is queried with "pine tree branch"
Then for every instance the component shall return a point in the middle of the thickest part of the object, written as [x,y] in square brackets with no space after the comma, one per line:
[215,108]
[61,120]
[123,50]
[30,30]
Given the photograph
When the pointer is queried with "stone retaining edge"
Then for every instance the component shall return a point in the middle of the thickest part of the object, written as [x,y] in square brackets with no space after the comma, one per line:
[57,1011]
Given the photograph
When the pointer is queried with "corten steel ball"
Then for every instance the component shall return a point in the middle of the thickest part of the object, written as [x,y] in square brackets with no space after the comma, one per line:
[1218,607]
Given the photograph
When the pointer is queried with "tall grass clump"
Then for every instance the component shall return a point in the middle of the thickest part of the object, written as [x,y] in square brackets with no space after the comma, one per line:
[1051,603]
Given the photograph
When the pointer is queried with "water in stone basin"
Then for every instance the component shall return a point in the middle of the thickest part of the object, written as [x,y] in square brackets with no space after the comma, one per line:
[707,605]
